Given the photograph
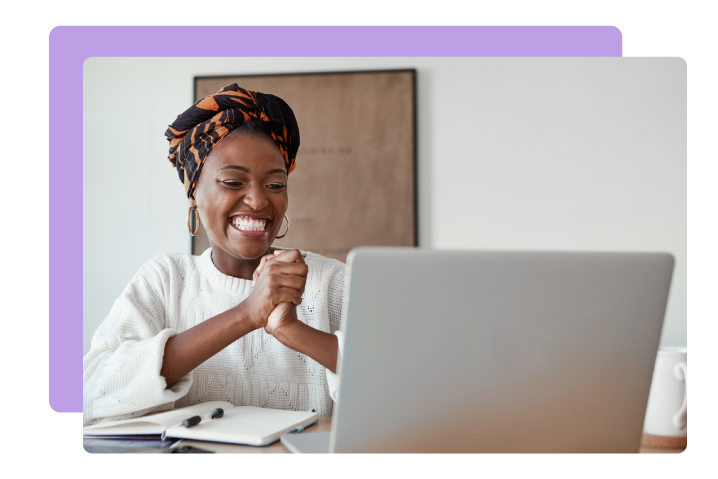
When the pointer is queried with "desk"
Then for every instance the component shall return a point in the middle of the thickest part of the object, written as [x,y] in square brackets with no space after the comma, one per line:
[324,424]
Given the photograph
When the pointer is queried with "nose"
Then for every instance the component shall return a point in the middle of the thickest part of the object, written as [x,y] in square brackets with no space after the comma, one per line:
[255,197]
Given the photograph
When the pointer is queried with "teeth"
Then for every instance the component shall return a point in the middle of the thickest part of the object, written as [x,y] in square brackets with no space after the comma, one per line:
[250,224]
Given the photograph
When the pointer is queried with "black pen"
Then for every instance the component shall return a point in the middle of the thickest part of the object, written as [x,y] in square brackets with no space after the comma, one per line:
[194,420]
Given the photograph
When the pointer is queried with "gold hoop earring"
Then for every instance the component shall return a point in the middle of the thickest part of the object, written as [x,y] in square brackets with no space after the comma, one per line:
[196,216]
[285,233]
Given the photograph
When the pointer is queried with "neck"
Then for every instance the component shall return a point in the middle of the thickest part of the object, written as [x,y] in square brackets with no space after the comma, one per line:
[237,267]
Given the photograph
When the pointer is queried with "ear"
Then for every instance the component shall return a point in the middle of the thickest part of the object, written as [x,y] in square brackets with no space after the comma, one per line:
[192,201]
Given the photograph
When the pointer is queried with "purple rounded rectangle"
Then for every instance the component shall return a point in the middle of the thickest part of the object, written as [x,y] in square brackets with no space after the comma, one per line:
[71,46]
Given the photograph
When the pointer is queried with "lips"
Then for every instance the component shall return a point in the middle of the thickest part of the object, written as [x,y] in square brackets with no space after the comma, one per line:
[250,225]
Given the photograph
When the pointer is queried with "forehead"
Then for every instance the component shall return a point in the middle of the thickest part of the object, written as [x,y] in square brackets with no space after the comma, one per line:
[255,152]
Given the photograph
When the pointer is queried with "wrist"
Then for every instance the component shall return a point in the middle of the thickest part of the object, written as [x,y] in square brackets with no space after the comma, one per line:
[287,330]
[243,320]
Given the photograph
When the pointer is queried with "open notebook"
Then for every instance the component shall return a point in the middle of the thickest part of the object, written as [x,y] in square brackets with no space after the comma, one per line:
[254,426]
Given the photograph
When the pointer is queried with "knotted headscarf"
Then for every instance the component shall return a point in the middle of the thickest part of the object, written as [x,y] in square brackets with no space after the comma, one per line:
[196,131]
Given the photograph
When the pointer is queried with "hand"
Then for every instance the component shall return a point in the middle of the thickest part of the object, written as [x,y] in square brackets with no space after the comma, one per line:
[278,284]
[282,315]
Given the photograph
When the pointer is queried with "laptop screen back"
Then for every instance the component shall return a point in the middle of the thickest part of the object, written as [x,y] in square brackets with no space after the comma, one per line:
[467,351]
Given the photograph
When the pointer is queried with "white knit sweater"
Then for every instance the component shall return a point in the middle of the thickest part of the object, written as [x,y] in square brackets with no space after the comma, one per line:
[174,292]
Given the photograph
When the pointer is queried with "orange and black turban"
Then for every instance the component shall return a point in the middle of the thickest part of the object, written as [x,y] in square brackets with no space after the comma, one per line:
[196,131]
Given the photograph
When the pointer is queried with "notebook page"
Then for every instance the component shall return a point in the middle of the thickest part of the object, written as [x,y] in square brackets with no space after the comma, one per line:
[246,425]
[155,423]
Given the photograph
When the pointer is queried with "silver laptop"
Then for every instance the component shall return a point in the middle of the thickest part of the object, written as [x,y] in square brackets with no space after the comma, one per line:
[471,351]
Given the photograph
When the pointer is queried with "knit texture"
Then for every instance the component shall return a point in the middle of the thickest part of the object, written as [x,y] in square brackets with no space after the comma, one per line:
[174,292]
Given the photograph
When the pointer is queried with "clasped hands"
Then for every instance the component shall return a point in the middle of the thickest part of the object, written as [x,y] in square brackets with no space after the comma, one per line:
[277,287]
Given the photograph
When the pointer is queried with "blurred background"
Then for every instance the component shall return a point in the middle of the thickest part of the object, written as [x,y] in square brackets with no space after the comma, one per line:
[357,181]
[576,154]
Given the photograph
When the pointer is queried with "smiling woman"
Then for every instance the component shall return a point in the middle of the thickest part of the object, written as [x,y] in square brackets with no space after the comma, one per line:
[243,322]
[244,183]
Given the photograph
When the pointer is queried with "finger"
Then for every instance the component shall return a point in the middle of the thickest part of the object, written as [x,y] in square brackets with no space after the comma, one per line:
[296,269]
[288,256]
[260,268]
[255,275]
[263,263]
[296,283]
[288,295]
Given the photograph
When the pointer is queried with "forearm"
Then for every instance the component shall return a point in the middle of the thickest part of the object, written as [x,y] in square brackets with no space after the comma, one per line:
[187,350]
[318,345]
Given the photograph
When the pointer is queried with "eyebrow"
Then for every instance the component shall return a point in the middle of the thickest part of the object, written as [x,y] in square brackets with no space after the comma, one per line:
[247,170]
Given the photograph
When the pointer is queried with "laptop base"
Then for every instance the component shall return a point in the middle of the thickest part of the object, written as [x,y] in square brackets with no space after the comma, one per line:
[307,442]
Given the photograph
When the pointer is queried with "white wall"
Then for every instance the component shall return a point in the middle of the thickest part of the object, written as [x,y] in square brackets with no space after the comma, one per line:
[513,153]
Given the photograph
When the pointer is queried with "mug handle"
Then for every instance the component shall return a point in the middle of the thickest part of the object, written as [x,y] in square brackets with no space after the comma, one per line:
[680,370]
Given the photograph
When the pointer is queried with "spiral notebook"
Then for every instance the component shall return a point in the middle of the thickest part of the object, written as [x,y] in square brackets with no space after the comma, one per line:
[254,426]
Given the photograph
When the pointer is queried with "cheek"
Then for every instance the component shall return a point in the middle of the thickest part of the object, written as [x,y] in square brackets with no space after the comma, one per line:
[284,197]
[282,203]
[213,206]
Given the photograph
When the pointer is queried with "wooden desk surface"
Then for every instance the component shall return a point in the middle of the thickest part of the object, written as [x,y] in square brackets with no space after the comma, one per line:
[324,424]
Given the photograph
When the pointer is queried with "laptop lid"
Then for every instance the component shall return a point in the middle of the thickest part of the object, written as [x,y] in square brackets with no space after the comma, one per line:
[474,351]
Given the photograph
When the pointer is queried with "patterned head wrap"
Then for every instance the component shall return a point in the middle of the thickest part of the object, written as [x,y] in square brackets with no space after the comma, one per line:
[196,131]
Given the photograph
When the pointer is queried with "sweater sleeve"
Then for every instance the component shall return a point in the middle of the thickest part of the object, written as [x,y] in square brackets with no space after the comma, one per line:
[121,373]
[335,298]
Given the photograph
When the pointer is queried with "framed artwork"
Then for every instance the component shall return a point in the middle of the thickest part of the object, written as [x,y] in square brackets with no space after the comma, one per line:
[355,179]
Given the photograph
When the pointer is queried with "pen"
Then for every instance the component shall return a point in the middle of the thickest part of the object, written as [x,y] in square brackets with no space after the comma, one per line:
[301,428]
[194,420]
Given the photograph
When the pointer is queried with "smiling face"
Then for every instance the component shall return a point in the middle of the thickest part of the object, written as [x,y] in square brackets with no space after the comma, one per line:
[241,199]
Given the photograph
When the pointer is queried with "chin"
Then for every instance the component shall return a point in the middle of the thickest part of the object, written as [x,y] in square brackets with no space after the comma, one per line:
[251,251]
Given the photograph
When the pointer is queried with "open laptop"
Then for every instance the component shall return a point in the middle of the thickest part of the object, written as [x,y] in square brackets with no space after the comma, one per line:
[471,351]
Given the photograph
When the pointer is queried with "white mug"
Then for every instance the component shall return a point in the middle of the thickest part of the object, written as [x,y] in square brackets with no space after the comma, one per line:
[667,413]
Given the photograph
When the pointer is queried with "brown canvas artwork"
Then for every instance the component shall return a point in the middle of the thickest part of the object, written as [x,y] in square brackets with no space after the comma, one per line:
[355,179]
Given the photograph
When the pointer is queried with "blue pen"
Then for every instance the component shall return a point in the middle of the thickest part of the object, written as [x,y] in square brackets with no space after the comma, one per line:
[301,428]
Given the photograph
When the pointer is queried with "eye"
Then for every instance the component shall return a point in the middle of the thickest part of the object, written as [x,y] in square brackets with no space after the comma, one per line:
[232,183]
[275,186]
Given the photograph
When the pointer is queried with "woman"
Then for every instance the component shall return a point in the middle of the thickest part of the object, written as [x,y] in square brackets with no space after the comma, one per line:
[244,322]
